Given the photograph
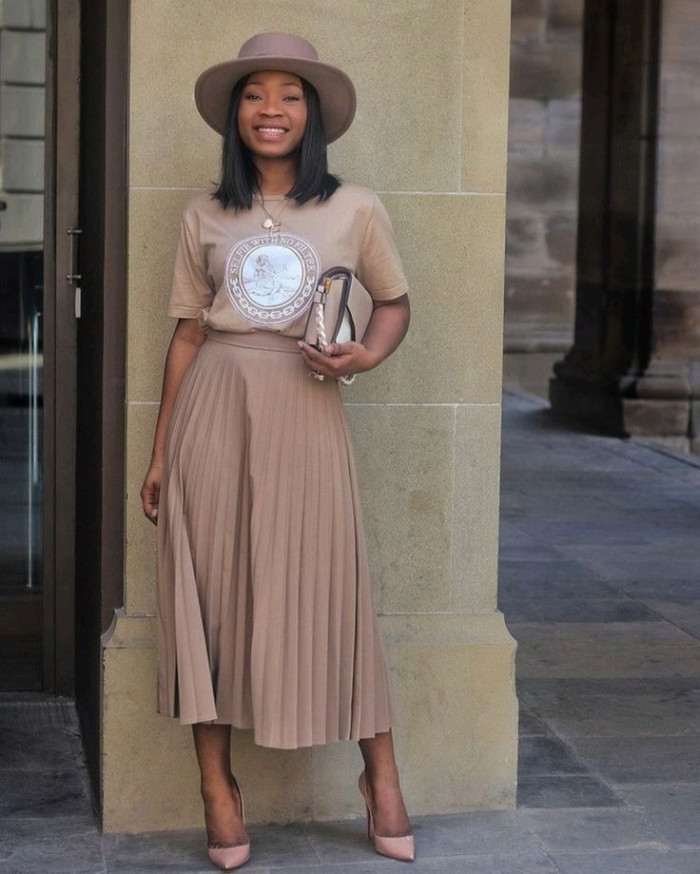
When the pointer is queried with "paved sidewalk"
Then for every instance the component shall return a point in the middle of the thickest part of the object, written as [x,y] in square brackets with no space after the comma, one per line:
[599,584]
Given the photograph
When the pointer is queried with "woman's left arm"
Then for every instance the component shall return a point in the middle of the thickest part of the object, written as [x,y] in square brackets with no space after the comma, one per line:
[385,331]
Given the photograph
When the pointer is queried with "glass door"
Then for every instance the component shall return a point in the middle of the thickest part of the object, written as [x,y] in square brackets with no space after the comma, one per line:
[22,151]
[39,173]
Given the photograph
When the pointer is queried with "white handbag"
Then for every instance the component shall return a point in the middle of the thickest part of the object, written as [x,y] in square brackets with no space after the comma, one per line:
[340,311]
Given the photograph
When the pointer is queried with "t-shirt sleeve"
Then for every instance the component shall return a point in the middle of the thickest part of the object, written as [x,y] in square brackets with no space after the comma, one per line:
[190,290]
[379,266]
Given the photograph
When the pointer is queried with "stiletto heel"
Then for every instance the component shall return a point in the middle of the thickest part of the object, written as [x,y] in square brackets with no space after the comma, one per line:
[228,858]
[401,848]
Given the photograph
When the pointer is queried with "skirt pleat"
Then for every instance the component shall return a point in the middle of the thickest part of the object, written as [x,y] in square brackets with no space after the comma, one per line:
[265,618]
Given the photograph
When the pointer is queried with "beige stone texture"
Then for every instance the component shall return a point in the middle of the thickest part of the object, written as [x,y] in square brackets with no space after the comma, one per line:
[485,71]
[452,250]
[154,226]
[456,737]
[140,540]
[405,95]
[476,495]
[405,459]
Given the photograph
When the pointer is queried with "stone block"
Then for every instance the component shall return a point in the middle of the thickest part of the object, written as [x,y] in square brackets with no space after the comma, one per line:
[25,14]
[545,182]
[665,418]
[561,241]
[529,8]
[528,21]
[387,147]
[526,127]
[678,181]
[565,21]
[680,35]
[485,71]
[677,252]
[677,327]
[405,457]
[525,243]
[540,302]
[529,371]
[22,57]
[455,736]
[547,73]
[527,29]
[140,540]
[456,731]
[154,226]
[22,165]
[564,129]
[452,251]
[679,101]
[476,494]
[21,111]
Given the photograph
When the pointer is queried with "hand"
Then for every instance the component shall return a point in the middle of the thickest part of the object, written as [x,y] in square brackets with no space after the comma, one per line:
[150,491]
[340,359]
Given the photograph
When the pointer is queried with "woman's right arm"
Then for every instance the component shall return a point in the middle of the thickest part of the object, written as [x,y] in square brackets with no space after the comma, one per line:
[184,345]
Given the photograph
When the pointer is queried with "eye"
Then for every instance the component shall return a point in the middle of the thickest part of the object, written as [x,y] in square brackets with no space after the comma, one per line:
[292,98]
[252,96]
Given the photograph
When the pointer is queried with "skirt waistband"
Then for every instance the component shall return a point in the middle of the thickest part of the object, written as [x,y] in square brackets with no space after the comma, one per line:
[267,340]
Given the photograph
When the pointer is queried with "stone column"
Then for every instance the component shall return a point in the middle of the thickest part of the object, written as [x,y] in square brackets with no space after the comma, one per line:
[430,137]
[632,366]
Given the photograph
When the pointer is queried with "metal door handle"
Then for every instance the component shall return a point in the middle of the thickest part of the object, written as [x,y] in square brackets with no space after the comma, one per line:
[72,234]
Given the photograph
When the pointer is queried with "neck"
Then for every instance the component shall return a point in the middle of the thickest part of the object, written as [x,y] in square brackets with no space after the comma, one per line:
[277,175]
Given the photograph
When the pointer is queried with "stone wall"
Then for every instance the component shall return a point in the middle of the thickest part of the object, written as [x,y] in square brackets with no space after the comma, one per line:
[677,298]
[430,136]
[545,105]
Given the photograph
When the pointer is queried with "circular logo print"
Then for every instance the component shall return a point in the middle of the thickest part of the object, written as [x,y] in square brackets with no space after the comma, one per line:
[271,280]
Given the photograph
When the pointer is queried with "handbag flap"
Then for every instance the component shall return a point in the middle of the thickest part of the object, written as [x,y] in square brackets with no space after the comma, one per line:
[347,307]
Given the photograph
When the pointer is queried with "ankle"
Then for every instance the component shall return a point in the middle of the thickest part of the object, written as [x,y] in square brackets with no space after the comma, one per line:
[215,787]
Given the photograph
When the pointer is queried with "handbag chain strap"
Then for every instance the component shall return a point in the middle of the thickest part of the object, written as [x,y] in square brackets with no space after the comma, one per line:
[323,339]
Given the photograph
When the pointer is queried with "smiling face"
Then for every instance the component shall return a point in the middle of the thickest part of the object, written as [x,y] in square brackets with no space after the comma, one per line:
[272,114]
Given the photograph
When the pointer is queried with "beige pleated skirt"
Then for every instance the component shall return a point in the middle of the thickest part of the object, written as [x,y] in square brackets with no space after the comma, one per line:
[265,618]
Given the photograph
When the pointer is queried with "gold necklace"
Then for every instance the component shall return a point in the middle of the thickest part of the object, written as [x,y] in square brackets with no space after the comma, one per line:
[271,223]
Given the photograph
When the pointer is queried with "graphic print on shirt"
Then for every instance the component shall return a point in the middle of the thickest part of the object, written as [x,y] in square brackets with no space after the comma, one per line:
[271,280]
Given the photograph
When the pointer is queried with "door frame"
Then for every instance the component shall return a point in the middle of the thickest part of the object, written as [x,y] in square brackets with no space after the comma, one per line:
[62,141]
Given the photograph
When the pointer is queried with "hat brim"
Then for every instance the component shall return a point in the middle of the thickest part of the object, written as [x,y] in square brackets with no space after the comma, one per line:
[212,90]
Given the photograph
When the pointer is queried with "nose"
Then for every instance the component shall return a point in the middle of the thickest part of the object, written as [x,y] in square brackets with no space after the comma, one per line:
[269,107]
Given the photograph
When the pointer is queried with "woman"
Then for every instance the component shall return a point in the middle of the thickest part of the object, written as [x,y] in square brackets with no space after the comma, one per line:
[265,616]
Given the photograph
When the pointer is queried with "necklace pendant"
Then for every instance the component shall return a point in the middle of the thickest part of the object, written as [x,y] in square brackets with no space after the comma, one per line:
[268,224]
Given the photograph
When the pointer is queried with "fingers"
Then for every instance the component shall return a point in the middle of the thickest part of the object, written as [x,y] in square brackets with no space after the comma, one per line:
[337,361]
[150,495]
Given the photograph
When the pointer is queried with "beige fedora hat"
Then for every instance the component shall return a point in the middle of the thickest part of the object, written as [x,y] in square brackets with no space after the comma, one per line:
[288,53]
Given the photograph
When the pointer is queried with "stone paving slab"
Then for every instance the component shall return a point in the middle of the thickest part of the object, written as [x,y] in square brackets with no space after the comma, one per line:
[640,862]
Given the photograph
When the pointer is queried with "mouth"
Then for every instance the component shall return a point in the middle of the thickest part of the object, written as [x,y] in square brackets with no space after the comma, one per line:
[270,131]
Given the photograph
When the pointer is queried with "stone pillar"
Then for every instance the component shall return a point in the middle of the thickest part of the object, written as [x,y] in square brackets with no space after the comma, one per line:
[430,137]
[631,367]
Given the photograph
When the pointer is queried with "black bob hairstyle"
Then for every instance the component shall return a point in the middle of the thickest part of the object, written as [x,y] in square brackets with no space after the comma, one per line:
[240,180]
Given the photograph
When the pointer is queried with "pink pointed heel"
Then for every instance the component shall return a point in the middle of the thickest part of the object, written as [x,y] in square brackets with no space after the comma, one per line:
[401,848]
[228,858]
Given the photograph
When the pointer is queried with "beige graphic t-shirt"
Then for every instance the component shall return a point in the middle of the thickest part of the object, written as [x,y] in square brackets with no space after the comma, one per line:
[233,274]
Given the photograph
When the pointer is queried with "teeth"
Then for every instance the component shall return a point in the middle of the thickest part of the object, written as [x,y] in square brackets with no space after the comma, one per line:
[271,130]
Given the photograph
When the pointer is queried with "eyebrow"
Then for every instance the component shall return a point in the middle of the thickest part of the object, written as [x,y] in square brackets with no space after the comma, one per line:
[284,84]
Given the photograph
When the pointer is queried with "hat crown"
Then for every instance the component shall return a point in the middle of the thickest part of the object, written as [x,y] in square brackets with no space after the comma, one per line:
[274,44]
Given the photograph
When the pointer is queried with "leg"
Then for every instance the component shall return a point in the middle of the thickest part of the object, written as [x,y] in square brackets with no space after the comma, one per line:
[386,801]
[222,810]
